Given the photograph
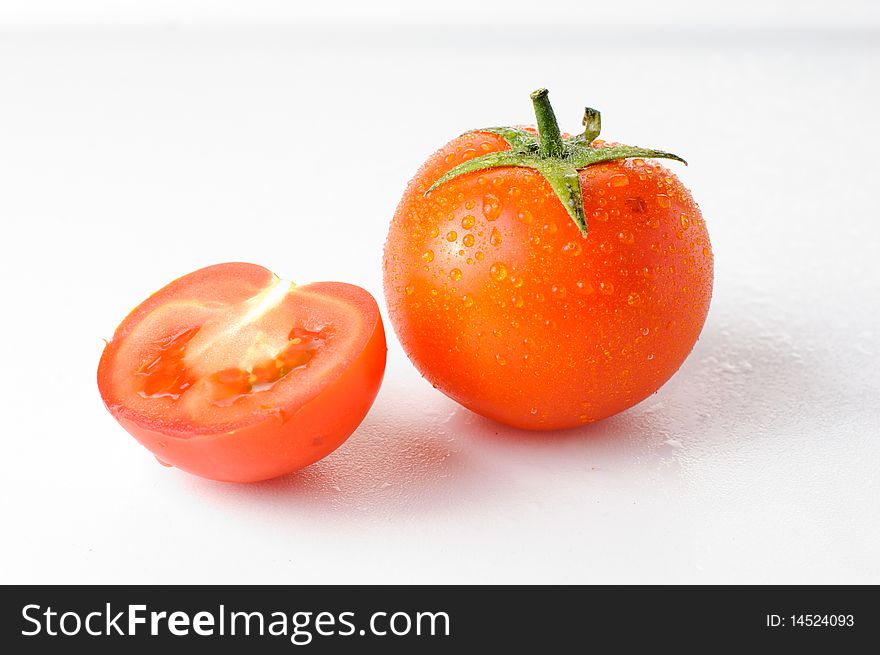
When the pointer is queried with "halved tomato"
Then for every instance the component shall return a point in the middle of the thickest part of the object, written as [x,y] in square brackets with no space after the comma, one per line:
[233,374]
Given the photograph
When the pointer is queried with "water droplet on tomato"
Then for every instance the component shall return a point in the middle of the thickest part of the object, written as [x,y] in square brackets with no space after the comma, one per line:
[495,238]
[479,255]
[467,301]
[428,255]
[573,248]
[633,299]
[501,361]
[455,274]
[498,271]
[468,240]
[468,222]
[625,236]
[410,290]
[550,228]
[685,221]
[606,288]
[618,180]
[451,236]
[663,200]
[525,216]
[491,207]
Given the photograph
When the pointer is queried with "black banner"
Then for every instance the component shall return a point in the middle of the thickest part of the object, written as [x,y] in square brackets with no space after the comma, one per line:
[279,619]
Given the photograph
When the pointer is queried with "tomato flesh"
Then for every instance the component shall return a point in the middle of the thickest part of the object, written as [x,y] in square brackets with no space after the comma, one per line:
[213,372]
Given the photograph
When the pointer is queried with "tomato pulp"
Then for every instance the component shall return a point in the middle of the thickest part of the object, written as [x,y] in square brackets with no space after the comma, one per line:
[233,374]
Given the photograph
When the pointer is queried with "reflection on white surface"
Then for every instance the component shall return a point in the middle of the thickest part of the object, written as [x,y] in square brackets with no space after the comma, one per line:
[133,155]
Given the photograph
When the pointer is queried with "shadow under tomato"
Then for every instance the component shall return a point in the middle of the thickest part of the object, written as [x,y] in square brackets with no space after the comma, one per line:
[750,373]
[404,457]
[419,452]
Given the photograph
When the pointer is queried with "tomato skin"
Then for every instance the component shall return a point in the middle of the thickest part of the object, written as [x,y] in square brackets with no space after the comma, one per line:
[282,440]
[503,305]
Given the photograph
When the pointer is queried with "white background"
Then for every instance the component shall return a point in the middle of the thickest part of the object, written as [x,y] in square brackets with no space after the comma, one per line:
[140,141]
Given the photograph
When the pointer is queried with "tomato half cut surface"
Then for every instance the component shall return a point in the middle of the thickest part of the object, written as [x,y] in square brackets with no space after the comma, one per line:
[234,374]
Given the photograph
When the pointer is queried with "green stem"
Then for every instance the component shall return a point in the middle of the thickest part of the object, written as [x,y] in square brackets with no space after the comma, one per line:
[592,124]
[549,138]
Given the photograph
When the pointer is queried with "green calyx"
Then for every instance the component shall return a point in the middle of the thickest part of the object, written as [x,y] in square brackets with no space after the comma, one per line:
[557,159]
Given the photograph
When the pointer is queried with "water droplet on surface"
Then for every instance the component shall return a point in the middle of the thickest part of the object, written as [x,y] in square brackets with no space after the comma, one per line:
[618,180]
[469,153]
[633,299]
[495,238]
[573,248]
[479,255]
[517,301]
[685,221]
[470,204]
[606,288]
[468,222]
[525,216]
[428,255]
[625,236]
[651,356]
[653,223]
[410,290]
[705,252]
[516,281]
[645,331]
[491,207]
[451,236]
[513,192]
[467,301]
[550,228]
[434,232]
[533,411]
[498,271]
[455,274]
[663,200]
[501,361]
[468,240]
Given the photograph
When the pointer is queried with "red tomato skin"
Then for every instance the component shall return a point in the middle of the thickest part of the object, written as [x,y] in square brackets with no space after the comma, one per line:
[291,438]
[573,329]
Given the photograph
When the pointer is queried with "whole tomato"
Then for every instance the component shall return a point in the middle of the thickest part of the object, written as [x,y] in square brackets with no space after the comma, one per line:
[546,281]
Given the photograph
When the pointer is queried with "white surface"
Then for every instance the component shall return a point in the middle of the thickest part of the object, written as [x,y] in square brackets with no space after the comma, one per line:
[132,154]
